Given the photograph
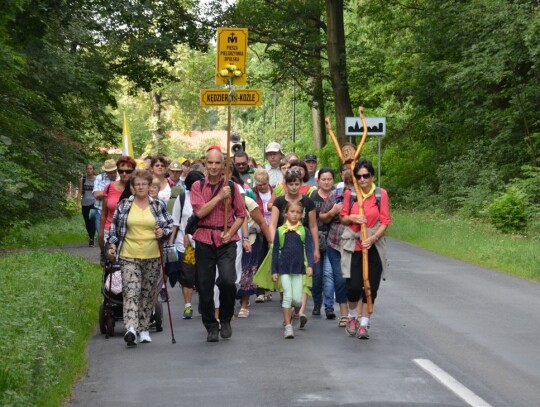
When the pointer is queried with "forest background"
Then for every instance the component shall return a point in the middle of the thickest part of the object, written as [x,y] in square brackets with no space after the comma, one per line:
[458,81]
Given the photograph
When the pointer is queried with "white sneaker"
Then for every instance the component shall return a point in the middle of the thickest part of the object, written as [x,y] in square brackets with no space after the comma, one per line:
[144,337]
[288,333]
[130,337]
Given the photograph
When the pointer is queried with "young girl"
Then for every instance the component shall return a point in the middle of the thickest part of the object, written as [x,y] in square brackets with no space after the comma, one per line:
[292,257]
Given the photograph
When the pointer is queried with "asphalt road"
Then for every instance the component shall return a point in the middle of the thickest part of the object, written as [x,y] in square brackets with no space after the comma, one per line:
[444,333]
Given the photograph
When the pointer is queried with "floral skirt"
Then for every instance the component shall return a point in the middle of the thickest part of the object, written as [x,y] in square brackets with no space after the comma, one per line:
[249,267]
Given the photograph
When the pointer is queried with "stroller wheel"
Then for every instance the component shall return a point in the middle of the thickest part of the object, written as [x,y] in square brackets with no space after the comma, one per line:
[102,327]
[158,316]
[110,326]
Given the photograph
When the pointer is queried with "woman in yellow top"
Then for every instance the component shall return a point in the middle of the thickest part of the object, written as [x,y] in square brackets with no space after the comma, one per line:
[140,225]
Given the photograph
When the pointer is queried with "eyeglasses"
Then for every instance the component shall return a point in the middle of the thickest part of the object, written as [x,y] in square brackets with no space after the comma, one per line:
[141,185]
[362,176]
[240,164]
[159,165]
[125,171]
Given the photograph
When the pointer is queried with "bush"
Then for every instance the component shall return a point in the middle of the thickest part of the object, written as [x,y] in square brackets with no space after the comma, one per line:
[508,212]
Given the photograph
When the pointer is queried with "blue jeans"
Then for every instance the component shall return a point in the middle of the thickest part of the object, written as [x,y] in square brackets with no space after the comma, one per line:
[333,278]
[97,219]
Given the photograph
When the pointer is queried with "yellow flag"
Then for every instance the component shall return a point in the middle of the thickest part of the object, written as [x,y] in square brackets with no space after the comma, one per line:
[127,145]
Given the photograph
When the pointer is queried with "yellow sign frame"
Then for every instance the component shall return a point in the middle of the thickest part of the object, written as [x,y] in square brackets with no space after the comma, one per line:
[220,97]
[231,50]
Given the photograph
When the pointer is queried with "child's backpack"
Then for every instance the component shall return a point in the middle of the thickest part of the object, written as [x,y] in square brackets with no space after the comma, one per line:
[281,237]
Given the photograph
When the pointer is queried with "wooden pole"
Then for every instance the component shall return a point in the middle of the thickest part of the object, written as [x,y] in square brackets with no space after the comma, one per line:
[228,155]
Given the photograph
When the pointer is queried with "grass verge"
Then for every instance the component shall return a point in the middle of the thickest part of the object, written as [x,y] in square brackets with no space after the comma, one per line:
[48,303]
[473,242]
[54,232]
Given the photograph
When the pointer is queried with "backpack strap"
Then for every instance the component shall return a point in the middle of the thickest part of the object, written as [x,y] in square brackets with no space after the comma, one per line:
[377,199]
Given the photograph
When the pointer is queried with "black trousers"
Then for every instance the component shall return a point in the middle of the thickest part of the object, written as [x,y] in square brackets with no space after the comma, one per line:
[89,223]
[207,258]
[355,284]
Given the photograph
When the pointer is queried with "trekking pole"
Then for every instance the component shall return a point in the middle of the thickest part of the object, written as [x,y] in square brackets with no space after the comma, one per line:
[166,292]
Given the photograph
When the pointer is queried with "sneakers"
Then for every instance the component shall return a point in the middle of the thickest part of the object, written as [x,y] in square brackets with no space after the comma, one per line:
[130,337]
[144,337]
[243,313]
[288,333]
[303,321]
[91,243]
[259,299]
[226,330]
[352,326]
[362,333]
[316,310]
[268,297]
[188,313]
[330,313]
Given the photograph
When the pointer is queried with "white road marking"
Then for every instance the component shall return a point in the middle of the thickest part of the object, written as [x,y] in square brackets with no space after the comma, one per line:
[459,389]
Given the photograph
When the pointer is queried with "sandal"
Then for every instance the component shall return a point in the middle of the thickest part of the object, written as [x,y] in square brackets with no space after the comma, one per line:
[342,323]
[243,313]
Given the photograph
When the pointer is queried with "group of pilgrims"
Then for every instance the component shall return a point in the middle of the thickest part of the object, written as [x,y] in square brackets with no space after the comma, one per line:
[282,232]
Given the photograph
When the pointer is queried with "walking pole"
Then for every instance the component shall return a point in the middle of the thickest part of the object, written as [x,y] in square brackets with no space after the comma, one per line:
[363,228]
[165,286]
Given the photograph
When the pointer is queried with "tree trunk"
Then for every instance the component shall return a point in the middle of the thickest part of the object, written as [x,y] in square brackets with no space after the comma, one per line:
[337,60]
[317,111]
[156,122]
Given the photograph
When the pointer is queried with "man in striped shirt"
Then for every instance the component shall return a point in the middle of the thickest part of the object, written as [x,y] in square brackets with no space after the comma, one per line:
[214,245]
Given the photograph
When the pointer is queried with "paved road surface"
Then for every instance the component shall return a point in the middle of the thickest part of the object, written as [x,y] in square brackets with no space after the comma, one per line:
[445,333]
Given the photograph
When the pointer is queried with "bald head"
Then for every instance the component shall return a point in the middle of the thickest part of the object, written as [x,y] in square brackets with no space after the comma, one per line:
[214,162]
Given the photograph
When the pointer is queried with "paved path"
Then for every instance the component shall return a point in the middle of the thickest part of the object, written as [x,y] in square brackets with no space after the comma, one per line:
[445,333]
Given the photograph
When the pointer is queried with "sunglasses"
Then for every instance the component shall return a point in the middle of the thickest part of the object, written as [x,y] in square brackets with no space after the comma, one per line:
[362,176]
[159,165]
[125,171]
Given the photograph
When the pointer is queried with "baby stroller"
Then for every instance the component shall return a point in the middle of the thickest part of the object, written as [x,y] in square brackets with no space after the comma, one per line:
[112,307]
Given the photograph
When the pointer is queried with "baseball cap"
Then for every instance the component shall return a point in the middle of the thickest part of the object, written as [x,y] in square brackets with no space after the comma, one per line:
[175,166]
[273,147]
[310,157]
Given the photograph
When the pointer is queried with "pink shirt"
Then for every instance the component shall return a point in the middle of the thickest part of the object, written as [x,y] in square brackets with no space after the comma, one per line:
[371,211]
[113,196]
[216,217]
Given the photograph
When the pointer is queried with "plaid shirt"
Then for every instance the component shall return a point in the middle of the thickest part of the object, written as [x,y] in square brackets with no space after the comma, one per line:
[118,230]
[216,217]
[100,183]
[335,227]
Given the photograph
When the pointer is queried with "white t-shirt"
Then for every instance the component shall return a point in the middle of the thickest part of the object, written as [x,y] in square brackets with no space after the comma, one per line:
[181,223]
[165,193]
[265,198]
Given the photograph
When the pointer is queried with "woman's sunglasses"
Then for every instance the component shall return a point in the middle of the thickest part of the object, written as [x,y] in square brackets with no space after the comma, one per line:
[364,176]
[125,171]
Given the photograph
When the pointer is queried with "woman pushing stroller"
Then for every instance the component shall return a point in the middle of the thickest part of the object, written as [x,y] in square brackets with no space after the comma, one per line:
[140,224]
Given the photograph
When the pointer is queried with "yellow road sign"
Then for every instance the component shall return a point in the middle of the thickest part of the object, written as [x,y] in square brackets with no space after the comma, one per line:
[220,97]
[231,50]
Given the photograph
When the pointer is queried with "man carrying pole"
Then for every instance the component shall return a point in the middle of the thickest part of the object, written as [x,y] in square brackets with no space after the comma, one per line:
[219,217]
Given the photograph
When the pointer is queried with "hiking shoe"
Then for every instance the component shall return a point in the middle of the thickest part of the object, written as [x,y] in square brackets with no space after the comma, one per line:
[330,313]
[259,299]
[303,321]
[144,337]
[288,333]
[362,333]
[213,334]
[352,326]
[130,337]
[226,329]
[316,310]
[188,313]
